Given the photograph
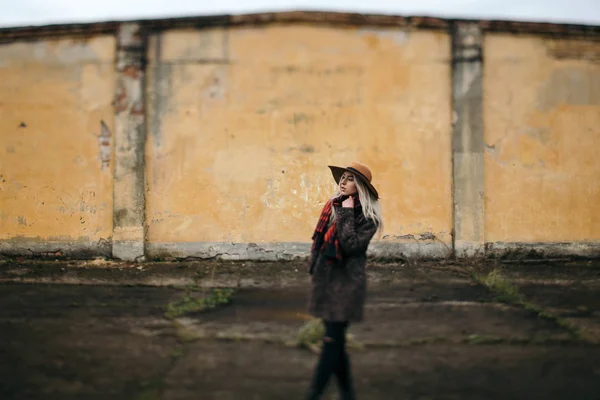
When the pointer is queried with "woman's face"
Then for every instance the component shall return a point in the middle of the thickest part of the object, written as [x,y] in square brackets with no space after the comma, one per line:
[348,184]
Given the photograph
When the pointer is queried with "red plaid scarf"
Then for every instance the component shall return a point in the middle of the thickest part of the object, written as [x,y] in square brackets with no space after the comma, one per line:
[325,237]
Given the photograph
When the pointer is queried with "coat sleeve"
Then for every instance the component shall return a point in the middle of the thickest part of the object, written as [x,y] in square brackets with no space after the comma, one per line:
[353,238]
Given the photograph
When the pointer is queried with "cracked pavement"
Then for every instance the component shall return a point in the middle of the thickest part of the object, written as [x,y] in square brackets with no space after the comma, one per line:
[96,330]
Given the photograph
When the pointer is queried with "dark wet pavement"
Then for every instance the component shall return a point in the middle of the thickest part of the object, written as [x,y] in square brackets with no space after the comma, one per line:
[430,333]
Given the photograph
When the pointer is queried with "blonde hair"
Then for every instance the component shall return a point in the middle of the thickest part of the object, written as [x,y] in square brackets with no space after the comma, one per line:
[371,207]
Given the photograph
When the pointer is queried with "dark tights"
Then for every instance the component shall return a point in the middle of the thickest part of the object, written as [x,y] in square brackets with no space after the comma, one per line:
[333,360]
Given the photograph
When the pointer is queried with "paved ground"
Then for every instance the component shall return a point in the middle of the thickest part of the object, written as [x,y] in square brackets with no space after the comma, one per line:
[97,330]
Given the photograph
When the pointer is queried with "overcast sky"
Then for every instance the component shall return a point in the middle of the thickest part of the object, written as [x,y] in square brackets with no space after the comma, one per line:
[37,12]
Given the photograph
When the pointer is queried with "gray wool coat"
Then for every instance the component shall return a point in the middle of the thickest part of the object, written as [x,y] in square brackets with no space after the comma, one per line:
[338,291]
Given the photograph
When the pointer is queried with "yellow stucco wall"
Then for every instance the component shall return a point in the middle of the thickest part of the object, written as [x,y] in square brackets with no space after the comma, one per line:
[542,135]
[243,122]
[54,94]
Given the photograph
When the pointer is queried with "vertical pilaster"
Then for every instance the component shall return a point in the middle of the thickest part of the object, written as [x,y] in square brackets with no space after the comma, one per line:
[467,140]
[130,132]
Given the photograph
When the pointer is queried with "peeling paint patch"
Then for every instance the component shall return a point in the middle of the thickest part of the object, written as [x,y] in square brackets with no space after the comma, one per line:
[410,236]
[491,148]
[299,118]
[129,93]
[216,85]
[373,35]
[85,207]
[574,49]
[307,148]
[542,135]
[317,71]
[427,236]
[104,146]
[570,86]
[59,51]
[22,220]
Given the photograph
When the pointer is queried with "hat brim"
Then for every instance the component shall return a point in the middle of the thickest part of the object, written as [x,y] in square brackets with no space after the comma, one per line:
[339,171]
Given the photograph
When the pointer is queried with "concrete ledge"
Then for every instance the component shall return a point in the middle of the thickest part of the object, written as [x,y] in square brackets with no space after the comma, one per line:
[284,251]
[288,250]
[76,249]
[229,250]
[128,250]
[542,250]
[378,249]
[465,249]
[413,249]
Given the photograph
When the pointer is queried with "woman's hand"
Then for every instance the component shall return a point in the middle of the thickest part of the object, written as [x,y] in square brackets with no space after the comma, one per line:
[348,203]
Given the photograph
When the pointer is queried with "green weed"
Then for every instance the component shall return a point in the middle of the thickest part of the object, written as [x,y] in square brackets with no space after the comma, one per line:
[195,303]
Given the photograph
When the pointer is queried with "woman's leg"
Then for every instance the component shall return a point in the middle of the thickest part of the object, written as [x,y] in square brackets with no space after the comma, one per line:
[330,356]
[343,372]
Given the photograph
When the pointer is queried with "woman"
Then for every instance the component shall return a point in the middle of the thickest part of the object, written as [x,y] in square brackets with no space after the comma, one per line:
[337,265]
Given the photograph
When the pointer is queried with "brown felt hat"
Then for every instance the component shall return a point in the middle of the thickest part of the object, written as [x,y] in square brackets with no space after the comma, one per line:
[360,170]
